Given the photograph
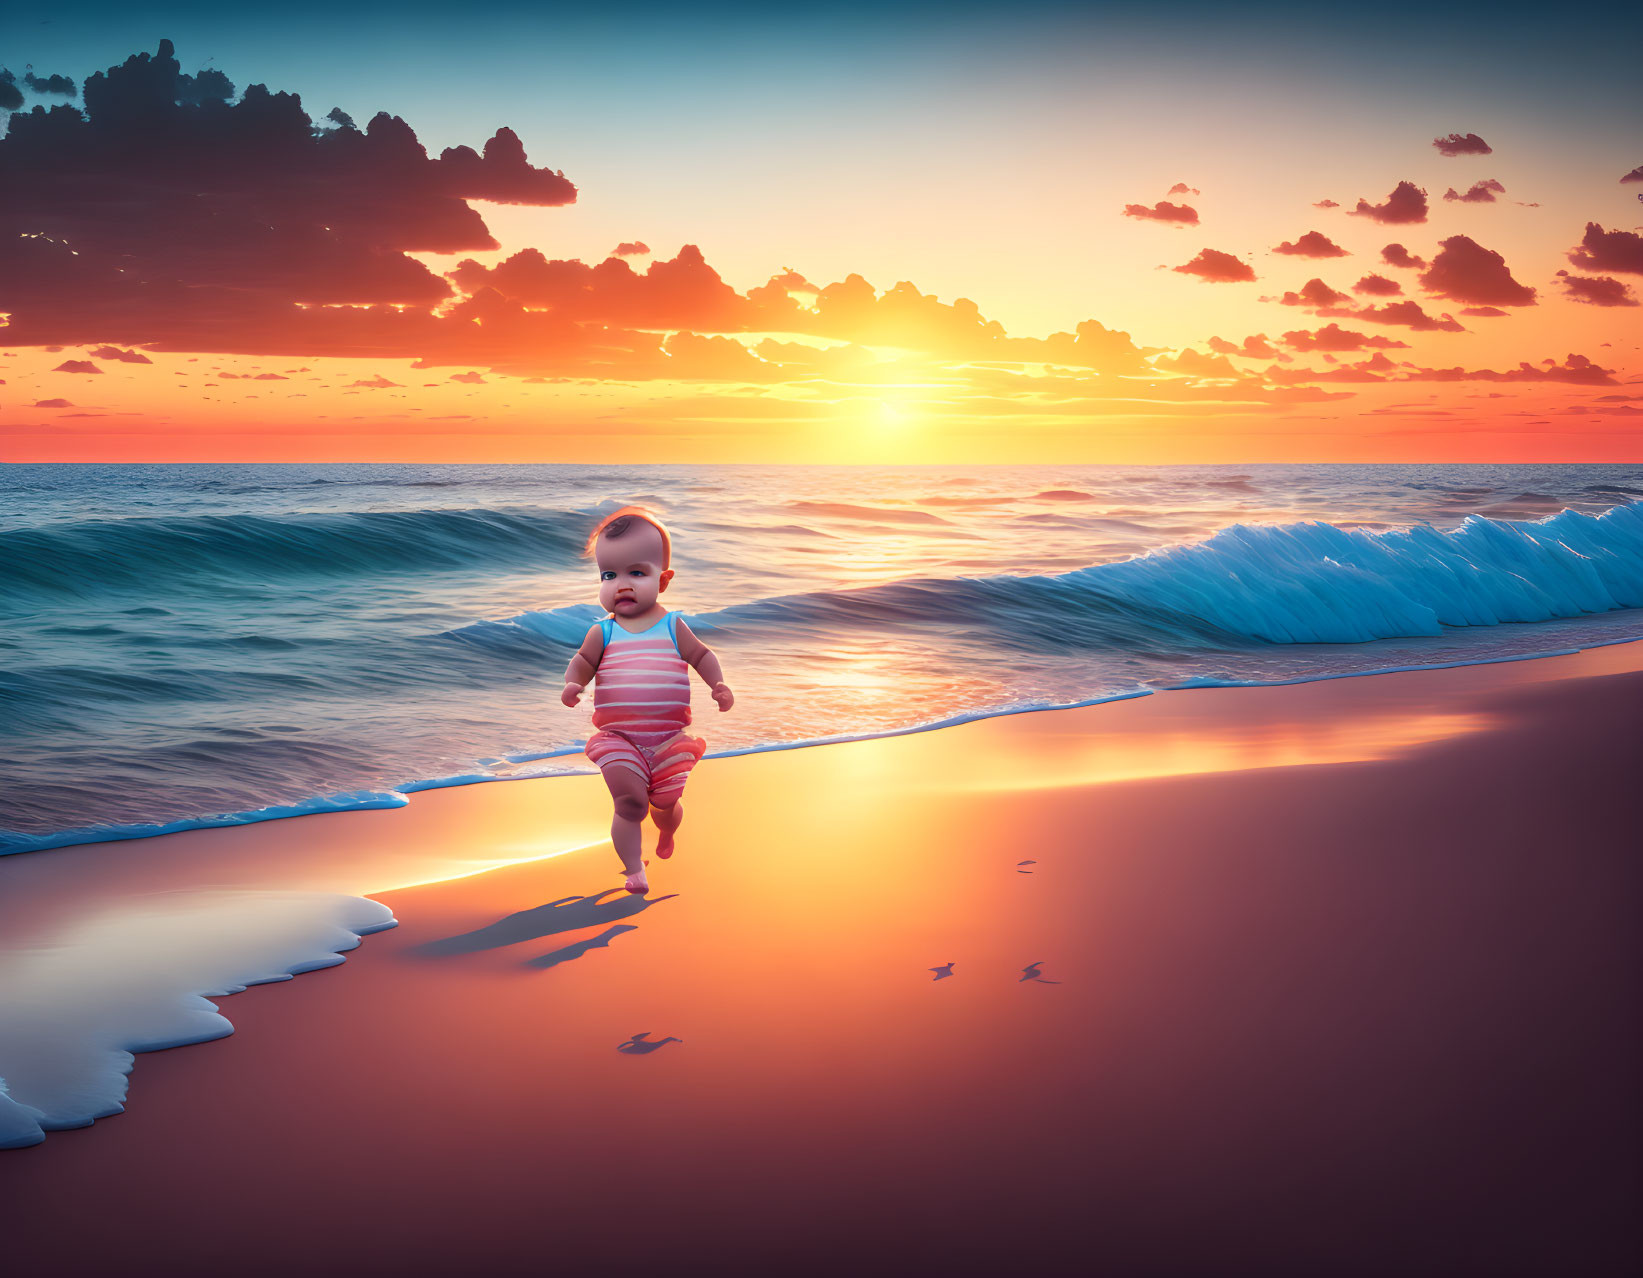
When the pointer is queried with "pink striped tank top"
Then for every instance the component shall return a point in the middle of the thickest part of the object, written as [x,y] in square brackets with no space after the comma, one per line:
[642,686]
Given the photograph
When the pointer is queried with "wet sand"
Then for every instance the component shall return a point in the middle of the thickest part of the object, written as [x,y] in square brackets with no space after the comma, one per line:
[1337,978]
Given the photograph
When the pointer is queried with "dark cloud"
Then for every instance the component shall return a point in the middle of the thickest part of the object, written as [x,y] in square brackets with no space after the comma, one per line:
[125,357]
[1602,250]
[338,116]
[1601,290]
[1312,244]
[1163,211]
[1377,286]
[52,84]
[146,218]
[11,97]
[631,248]
[1408,315]
[1216,267]
[1397,255]
[52,403]
[77,366]
[1332,337]
[1462,144]
[1575,368]
[1407,203]
[1636,175]
[206,85]
[1314,293]
[1465,271]
[1479,193]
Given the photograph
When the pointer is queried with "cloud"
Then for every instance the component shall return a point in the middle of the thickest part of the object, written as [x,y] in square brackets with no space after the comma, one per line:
[52,403]
[631,248]
[1575,368]
[11,97]
[1602,290]
[336,115]
[1216,267]
[1407,203]
[1164,211]
[1254,347]
[476,379]
[1602,250]
[1480,192]
[1314,293]
[1465,271]
[1408,315]
[125,357]
[1332,337]
[684,291]
[1377,286]
[1325,204]
[149,217]
[1193,364]
[1462,144]
[379,382]
[76,366]
[1397,255]
[50,84]
[207,85]
[1377,368]
[1312,244]
[1181,188]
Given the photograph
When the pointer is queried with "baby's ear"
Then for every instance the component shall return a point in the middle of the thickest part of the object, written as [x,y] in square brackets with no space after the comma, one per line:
[661,581]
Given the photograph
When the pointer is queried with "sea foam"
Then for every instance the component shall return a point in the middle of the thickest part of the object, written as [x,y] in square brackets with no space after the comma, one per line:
[138,977]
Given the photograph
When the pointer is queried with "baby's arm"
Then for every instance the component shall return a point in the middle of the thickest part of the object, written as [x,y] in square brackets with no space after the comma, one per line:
[701,656]
[583,665]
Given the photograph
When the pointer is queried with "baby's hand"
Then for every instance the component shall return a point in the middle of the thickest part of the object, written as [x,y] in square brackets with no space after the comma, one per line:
[721,694]
[572,693]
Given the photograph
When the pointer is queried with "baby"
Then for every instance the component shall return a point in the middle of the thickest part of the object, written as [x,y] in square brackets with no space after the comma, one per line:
[642,700]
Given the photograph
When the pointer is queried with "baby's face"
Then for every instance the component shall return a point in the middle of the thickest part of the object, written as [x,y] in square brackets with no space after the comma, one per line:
[631,575]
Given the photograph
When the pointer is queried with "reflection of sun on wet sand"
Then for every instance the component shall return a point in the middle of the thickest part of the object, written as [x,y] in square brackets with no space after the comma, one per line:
[1371,1011]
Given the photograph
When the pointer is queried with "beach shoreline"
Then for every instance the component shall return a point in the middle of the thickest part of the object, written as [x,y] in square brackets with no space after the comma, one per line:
[1344,975]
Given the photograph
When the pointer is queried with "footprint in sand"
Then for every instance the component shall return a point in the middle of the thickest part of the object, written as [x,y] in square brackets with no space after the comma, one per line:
[639,1045]
[1031,973]
[946,969]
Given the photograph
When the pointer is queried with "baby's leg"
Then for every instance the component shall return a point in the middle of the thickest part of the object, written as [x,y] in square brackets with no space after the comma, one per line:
[671,765]
[627,792]
[667,820]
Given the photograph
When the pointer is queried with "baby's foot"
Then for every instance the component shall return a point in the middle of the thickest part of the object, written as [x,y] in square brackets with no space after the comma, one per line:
[664,844]
[637,883]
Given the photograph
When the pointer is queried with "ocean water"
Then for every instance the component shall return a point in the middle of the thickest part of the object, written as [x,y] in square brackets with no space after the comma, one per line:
[207,644]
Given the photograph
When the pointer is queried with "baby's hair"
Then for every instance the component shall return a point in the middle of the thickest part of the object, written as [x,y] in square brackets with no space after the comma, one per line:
[619,521]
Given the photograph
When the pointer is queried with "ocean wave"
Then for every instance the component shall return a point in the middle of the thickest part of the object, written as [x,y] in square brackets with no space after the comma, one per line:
[84,558]
[1291,583]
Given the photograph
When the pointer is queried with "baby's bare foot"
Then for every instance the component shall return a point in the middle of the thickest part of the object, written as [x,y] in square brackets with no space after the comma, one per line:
[664,844]
[637,883]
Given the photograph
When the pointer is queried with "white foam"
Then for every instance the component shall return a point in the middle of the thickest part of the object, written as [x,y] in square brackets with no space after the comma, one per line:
[75,1004]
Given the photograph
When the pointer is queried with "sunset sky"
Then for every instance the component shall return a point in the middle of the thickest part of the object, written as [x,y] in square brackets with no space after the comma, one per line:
[898,233]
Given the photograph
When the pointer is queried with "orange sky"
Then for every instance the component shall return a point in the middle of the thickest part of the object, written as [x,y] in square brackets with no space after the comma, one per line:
[1219,306]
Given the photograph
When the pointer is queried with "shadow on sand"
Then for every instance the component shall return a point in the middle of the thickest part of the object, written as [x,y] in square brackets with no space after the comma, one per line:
[568,914]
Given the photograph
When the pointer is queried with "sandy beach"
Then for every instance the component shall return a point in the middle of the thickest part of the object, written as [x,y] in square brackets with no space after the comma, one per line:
[1335,978]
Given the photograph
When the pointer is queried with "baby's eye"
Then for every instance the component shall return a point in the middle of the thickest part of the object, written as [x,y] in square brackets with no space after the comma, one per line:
[638,572]
[606,576]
